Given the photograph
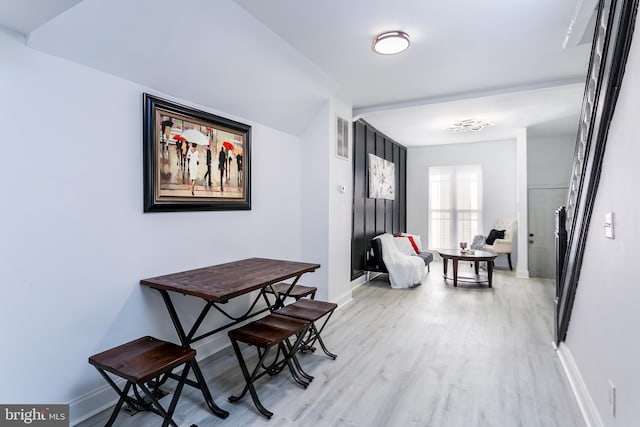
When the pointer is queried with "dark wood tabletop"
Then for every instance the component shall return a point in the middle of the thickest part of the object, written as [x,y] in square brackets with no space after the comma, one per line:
[219,283]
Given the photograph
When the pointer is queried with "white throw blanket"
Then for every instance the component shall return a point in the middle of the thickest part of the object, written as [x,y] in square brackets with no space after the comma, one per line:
[405,271]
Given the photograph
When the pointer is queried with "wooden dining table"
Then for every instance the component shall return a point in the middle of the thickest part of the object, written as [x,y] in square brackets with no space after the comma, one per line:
[216,285]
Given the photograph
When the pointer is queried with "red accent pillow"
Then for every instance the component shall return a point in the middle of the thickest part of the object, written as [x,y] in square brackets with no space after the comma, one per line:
[413,242]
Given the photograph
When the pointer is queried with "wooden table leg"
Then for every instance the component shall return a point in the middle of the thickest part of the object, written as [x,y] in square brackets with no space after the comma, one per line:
[477,267]
[445,262]
[455,272]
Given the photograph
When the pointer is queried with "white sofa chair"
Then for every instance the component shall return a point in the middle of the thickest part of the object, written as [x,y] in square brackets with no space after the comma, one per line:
[503,246]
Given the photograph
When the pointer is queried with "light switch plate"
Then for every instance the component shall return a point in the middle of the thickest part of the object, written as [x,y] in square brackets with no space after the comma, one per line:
[608,225]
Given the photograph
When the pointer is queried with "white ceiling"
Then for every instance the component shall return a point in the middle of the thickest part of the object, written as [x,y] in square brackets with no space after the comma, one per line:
[497,60]
[25,16]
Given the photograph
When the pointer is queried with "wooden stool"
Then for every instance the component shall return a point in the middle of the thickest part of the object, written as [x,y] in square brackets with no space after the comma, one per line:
[139,362]
[311,311]
[298,291]
[270,331]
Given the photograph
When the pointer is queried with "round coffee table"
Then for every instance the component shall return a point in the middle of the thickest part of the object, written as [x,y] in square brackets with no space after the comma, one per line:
[476,257]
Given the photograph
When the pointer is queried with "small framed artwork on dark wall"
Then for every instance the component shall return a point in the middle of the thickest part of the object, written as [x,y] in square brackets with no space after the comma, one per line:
[382,178]
[194,160]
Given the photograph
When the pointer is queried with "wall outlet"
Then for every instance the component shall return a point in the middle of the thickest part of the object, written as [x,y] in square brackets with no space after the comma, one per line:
[612,398]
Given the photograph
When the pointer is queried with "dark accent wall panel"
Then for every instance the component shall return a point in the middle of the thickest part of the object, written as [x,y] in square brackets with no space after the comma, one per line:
[359,195]
[388,208]
[370,205]
[402,161]
[380,203]
[374,216]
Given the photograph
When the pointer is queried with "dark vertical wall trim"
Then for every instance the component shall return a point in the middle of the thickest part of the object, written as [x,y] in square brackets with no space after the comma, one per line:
[380,203]
[370,204]
[388,208]
[359,195]
[374,216]
[402,214]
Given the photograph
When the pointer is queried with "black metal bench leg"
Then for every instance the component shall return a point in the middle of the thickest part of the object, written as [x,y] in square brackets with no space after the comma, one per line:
[292,349]
[324,348]
[123,397]
[249,380]
[295,369]
[168,416]
[299,369]
[168,420]
[314,335]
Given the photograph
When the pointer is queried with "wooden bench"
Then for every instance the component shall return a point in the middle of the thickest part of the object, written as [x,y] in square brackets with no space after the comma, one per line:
[311,311]
[140,362]
[271,331]
[298,291]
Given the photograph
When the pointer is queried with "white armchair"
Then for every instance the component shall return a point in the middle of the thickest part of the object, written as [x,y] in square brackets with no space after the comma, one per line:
[505,245]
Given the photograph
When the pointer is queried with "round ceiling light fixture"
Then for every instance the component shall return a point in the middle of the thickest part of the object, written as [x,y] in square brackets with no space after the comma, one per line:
[391,42]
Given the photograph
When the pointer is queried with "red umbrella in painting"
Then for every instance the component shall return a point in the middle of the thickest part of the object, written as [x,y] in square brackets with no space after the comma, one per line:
[179,138]
[228,145]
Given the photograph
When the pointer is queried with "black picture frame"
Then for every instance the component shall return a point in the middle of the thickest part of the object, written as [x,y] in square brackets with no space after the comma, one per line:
[168,181]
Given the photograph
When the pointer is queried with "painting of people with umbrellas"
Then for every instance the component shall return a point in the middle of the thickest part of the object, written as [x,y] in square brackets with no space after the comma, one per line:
[194,160]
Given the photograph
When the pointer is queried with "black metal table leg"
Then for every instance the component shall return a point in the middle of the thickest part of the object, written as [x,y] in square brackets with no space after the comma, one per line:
[207,394]
[196,368]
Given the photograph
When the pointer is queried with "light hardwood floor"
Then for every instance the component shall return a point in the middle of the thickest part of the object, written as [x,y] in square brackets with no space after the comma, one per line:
[433,355]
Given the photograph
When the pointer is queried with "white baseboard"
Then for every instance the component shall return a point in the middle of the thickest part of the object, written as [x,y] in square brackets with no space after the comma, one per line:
[359,281]
[344,299]
[92,403]
[96,401]
[522,274]
[585,402]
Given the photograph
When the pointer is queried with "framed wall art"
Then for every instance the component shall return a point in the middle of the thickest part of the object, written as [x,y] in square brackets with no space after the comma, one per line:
[382,178]
[194,160]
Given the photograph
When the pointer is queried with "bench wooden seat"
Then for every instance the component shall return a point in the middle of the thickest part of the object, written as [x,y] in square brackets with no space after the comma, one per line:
[139,362]
[311,311]
[298,291]
[271,331]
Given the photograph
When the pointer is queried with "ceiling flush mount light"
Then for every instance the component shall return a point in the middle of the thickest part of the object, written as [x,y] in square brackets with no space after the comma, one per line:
[469,125]
[391,42]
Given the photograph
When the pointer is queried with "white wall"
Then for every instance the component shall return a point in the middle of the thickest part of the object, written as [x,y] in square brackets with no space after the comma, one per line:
[314,198]
[74,242]
[340,210]
[521,241]
[603,333]
[498,161]
[549,161]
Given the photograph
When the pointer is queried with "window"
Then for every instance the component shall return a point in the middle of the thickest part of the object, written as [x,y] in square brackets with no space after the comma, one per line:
[455,205]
